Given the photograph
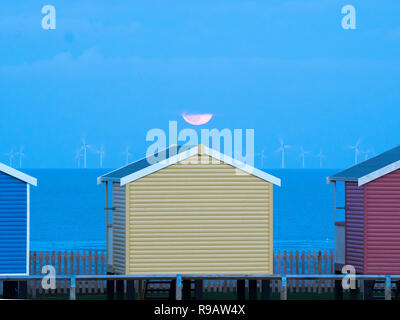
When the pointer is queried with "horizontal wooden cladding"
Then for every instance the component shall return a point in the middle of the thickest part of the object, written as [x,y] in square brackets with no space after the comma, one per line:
[382,210]
[13,225]
[119,228]
[199,218]
[354,204]
[247,269]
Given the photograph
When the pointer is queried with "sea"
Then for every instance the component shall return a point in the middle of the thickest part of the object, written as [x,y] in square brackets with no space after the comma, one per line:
[67,210]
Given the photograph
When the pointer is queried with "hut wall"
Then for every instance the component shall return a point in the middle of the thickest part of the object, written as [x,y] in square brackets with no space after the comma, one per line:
[199,216]
[13,225]
[119,229]
[382,220]
[354,225]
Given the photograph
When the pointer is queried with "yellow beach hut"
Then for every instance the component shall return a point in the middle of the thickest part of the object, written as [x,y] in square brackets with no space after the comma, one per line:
[189,210]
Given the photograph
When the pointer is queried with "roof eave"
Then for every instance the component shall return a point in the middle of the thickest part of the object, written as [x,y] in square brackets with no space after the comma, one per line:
[18,174]
[105,179]
[334,179]
[379,173]
[242,166]
[159,165]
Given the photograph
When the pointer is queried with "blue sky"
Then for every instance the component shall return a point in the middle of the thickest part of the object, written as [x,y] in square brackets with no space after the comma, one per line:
[111,71]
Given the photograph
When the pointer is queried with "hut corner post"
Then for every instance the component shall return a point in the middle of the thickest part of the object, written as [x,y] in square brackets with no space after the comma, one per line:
[110,283]
[334,201]
[106,221]
[109,226]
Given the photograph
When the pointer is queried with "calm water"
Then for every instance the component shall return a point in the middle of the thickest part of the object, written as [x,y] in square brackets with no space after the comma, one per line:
[67,210]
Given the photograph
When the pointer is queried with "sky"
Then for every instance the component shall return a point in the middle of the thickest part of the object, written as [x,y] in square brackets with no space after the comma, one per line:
[113,70]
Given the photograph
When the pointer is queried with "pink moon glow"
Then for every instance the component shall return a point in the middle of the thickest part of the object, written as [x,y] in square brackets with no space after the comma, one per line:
[197,119]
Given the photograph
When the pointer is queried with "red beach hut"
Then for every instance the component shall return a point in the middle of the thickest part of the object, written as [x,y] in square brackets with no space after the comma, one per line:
[369,236]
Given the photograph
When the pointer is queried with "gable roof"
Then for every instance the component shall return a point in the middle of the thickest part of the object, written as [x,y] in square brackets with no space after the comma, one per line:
[172,155]
[18,174]
[370,169]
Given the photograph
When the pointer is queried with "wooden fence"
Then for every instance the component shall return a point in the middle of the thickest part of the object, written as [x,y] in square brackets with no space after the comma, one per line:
[94,263]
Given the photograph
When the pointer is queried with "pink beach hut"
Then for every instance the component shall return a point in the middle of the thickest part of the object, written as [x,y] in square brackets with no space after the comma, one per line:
[369,236]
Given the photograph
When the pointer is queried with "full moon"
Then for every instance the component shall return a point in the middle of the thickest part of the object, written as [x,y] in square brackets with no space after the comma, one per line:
[197,119]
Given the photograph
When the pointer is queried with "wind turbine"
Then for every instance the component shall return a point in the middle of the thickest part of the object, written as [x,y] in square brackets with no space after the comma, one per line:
[100,152]
[282,150]
[11,156]
[262,156]
[84,148]
[302,154]
[21,154]
[320,155]
[356,150]
[367,152]
[127,154]
[78,156]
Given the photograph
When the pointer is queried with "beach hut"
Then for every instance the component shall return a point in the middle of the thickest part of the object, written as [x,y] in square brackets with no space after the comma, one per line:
[369,236]
[14,225]
[190,210]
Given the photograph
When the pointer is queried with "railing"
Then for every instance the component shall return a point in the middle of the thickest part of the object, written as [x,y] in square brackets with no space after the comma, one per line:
[94,263]
[283,279]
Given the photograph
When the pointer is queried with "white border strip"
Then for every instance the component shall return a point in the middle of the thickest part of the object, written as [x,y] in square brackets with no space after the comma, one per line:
[379,173]
[242,166]
[18,174]
[160,165]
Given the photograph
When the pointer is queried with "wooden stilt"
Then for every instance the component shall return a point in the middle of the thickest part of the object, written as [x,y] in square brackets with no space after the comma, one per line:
[338,288]
[120,289]
[186,289]
[178,292]
[110,288]
[172,290]
[198,289]
[130,289]
[265,289]
[369,289]
[354,292]
[241,289]
[252,289]
[22,289]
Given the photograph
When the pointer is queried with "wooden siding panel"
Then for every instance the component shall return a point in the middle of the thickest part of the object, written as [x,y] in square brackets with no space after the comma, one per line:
[199,217]
[13,225]
[382,203]
[354,225]
[119,228]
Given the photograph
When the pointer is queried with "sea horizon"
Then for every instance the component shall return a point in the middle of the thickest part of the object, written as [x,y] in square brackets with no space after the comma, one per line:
[67,210]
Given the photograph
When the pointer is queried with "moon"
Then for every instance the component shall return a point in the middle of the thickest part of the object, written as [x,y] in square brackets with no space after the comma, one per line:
[197,119]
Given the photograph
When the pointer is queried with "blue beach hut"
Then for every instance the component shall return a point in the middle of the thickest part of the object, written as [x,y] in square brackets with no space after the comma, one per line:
[14,221]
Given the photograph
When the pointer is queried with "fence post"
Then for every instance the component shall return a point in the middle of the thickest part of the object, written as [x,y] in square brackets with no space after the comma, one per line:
[72,290]
[284,288]
[178,293]
[388,288]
